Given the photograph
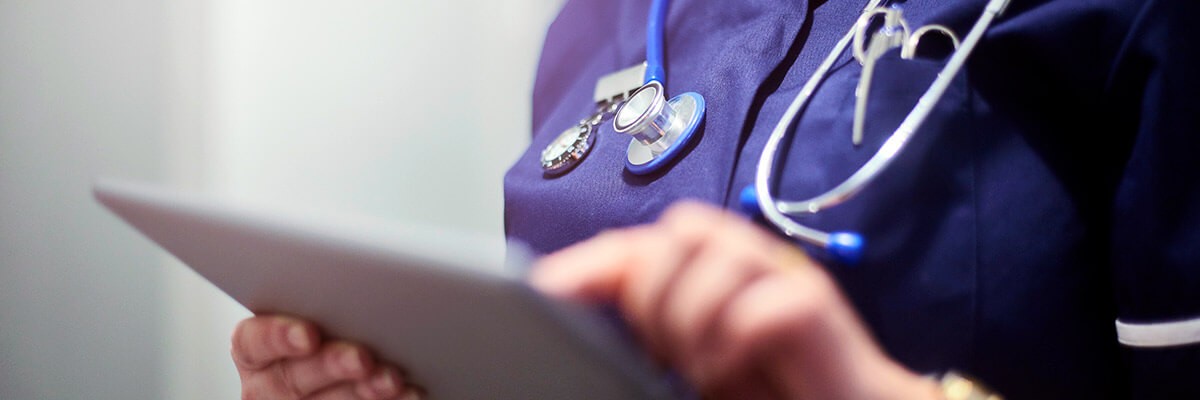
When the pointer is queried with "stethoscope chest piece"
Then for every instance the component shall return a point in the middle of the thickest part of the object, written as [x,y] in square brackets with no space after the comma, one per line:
[661,128]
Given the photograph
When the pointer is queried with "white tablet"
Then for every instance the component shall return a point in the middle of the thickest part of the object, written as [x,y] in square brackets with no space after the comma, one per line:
[422,301]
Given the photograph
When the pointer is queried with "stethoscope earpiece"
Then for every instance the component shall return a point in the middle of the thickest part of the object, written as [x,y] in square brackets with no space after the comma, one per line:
[748,200]
[845,248]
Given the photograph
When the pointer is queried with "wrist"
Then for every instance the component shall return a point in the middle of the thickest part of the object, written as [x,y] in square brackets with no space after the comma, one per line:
[900,383]
[954,386]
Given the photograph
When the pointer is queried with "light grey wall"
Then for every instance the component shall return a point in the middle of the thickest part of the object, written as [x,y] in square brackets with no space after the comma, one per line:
[410,111]
[407,111]
[80,307]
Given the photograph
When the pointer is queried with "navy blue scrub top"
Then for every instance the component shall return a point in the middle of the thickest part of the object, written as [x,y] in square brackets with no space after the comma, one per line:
[1055,189]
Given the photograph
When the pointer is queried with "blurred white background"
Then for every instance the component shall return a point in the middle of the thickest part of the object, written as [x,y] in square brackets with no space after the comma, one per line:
[407,110]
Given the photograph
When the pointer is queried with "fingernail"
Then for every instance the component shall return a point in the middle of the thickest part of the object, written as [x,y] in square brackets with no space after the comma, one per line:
[385,384]
[412,394]
[549,282]
[351,361]
[297,336]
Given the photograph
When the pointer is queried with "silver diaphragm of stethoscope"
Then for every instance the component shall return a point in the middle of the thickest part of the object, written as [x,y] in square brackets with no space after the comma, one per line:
[660,127]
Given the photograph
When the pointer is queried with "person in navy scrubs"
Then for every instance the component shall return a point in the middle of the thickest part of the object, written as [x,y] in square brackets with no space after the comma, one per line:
[1041,233]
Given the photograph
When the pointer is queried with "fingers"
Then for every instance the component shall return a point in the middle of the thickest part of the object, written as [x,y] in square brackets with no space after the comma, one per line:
[589,271]
[752,325]
[282,358]
[387,383]
[260,341]
[633,267]
[681,306]
[383,384]
[710,293]
[294,378]
[595,269]
[345,391]
[691,317]
[336,362]
[735,257]
[799,329]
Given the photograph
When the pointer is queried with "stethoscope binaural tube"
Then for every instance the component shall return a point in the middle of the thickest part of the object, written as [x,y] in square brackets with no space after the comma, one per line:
[847,247]
[655,30]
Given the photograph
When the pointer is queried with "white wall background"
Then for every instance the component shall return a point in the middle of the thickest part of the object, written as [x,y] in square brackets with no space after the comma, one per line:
[404,110]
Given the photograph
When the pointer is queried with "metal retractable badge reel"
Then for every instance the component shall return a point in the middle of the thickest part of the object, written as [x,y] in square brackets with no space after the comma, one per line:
[571,146]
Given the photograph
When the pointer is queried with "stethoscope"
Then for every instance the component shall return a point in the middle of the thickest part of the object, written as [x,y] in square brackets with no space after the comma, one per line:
[660,127]
[847,247]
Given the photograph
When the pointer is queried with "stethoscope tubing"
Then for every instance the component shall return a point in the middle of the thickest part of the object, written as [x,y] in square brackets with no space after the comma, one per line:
[766,161]
[777,211]
[655,30]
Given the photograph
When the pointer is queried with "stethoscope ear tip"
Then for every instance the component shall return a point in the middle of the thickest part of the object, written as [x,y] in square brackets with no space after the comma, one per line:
[845,248]
[748,201]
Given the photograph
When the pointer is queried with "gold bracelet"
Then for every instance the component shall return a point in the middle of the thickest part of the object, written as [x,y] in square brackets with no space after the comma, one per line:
[958,387]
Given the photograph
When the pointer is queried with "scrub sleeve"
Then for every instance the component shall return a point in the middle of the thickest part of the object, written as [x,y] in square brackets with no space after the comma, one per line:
[1156,216]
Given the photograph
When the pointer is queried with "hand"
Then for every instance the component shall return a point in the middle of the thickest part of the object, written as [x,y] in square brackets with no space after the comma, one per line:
[284,358]
[740,313]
